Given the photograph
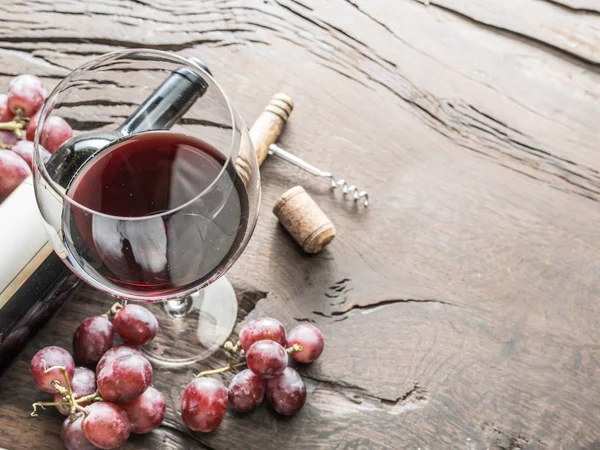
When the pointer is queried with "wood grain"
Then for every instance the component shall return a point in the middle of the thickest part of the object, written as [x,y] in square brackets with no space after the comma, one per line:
[460,309]
[539,23]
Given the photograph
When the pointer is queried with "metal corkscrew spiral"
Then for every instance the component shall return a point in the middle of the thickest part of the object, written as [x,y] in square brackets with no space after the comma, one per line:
[350,189]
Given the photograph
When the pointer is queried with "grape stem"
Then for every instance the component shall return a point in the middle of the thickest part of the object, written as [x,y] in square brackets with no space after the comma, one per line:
[69,398]
[294,348]
[13,125]
[16,125]
[43,406]
[113,310]
[95,397]
[67,387]
[229,347]
[227,368]
[59,388]
[232,350]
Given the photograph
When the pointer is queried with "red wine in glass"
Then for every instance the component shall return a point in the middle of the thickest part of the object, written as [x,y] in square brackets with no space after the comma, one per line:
[163,213]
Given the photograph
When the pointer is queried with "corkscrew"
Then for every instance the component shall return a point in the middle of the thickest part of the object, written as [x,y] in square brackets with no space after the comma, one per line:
[265,132]
[357,194]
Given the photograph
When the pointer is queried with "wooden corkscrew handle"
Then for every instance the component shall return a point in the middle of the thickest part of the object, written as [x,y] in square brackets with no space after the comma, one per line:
[267,128]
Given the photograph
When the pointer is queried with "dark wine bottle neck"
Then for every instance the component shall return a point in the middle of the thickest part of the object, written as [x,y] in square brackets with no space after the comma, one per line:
[167,104]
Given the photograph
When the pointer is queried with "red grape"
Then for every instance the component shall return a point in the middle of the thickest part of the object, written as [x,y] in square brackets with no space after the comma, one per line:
[246,391]
[262,329]
[73,437]
[203,404]
[266,359]
[92,338]
[25,150]
[55,132]
[311,340]
[30,132]
[116,352]
[106,426]
[26,92]
[45,359]
[13,170]
[147,411]
[5,114]
[82,384]
[286,393]
[125,378]
[135,324]
[8,137]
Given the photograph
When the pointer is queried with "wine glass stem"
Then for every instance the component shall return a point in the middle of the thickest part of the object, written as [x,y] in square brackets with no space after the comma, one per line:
[180,307]
[202,322]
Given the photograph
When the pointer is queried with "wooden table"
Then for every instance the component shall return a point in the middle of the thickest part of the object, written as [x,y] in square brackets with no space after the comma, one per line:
[461,309]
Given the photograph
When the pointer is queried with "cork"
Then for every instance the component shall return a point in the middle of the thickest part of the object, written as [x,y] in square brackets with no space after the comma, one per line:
[304,220]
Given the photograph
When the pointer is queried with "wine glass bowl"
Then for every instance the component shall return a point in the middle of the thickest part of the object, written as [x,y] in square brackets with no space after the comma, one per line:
[156,194]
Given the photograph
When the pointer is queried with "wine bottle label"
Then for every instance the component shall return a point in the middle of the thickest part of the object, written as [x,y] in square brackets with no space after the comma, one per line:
[34,281]
[23,240]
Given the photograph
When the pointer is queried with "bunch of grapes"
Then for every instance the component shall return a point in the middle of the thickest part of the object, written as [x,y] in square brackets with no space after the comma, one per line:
[106,405]
[19,112]
[265,350]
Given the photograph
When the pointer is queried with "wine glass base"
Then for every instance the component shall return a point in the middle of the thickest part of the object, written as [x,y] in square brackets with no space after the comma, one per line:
[193,328]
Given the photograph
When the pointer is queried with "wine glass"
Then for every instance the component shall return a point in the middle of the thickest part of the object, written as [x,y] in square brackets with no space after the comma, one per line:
[155,196]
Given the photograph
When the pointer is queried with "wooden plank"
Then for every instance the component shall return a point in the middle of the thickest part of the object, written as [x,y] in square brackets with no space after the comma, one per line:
[460,310]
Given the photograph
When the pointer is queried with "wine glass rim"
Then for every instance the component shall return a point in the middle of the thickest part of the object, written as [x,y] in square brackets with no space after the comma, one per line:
[41,167]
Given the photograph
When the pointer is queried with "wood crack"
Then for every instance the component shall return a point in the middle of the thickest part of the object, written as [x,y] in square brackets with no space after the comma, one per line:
[333,384]
[188,436]
[248,299]
[510,143]
[498,439]
[174,47]
[389,302]
[493,119]
[573,9]
[379,304]
[332,30]
[97,102]
[302,16]
[206,123]
[149,5]
[385,27]
[87,125]
[344,74]
[416,394]
[525,38]
[546,182]
[304,320]
[302,5]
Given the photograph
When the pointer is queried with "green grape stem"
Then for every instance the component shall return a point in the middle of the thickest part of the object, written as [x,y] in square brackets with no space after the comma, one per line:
[13,125]
[69,398]
[227,368]
[113,310]
[43,406]
[294,348]
[95,397]
[17,124]
[232,350]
